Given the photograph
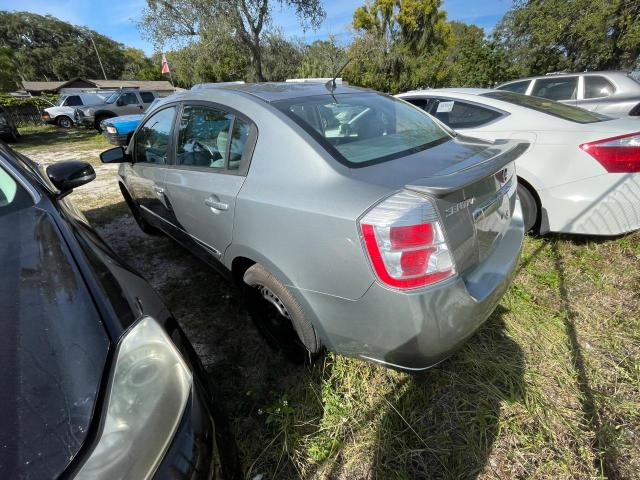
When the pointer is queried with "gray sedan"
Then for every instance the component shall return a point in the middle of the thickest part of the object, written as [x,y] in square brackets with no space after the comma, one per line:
[350,220]
[616,94]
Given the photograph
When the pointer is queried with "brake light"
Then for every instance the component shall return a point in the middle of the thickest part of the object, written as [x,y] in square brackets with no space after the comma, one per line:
[616,154]
[405,242]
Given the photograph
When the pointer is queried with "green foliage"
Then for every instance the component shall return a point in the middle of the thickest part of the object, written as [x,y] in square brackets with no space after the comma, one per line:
[140,67]
[550,35]
[8,77]
[42,101]
[45,48]
[281,58]
[322,58]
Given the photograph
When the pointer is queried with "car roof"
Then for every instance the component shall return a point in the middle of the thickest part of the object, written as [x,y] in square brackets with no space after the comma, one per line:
[614,73]
[438,91]
[274,91]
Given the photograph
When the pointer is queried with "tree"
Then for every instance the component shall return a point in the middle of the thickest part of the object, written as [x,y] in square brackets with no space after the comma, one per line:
[281,57]
[178,20]
[402,45]
[45,48]
[550,35]
[139,67]
[8,77]
[322,58]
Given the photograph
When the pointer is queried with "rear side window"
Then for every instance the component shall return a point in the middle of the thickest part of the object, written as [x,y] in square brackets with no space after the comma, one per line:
[153,139]
[129,99]
[456,114]
[560,110]
[517,87]
[565,88]
[597,87]
[203,137]
[13,196]
[147,97]
[364,128]
[73,101]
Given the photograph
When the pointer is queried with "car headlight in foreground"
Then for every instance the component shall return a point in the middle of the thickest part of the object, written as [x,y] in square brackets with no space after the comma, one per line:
[147,394]
[111,129]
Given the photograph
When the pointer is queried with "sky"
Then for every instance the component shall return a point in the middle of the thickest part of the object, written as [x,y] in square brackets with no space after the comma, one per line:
[116,18]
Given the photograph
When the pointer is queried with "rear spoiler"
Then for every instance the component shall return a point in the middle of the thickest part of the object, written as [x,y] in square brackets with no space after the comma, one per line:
[441,185]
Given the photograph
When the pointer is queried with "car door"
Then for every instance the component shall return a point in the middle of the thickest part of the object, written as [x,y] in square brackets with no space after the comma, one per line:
[151,155]
[129,103]
[213,148]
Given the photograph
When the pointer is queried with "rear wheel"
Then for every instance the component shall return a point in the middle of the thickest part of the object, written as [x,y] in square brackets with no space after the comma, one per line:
[99,119]
[64,121]
[530,209]
[145,226]
[279,316]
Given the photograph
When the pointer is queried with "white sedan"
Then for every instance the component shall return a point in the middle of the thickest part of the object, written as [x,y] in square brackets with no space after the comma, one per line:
[581,173]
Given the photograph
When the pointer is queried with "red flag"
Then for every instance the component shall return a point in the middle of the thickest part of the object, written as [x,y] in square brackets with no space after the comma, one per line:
[165,65]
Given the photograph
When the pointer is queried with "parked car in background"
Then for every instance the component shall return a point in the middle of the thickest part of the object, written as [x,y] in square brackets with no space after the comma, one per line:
[98,379]
[8,129]
[581,173]
[350,219]
[63,112]
[122,102]
[118,130]
[616,94]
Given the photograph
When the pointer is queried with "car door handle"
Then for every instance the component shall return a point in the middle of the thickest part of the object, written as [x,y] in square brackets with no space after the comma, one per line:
[215,204]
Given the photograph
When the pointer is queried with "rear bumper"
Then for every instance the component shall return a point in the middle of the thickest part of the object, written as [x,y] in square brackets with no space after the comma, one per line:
[415,331]
[608,204]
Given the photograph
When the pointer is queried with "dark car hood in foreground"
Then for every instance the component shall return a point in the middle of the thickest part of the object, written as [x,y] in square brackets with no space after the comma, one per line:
[53,349]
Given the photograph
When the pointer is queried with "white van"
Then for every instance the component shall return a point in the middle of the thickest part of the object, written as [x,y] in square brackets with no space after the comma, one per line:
[62,113]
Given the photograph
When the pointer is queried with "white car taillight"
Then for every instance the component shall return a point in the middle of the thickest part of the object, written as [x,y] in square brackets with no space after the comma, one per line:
[616,154]
[405,242]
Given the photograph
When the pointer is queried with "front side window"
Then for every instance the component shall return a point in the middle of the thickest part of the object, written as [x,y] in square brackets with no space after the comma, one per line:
[153,139]
[516,87]
[553,88]
[13,196]
[129,98]
[203,137]
[560,110]
[73,101]
[112,98]
[147,97]
[457,114]
[363,128]
[597,87]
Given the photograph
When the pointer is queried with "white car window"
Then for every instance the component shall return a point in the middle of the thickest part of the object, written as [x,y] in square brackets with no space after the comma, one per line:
[596,86]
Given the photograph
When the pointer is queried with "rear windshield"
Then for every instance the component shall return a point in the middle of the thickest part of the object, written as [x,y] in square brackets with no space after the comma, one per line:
[360,129]
[560,110]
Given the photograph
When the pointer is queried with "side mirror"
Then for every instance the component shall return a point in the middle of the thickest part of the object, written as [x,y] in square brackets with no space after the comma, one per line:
[114,155]
[70,174]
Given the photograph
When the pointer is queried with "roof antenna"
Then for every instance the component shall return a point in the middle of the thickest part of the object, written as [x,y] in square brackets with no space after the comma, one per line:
[331,84]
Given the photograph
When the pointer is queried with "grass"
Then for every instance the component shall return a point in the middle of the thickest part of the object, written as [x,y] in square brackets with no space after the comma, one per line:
[43,138]
[548,388]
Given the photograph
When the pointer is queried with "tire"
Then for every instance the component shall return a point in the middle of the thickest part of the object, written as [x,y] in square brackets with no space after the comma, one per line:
[14,136]
[145,226]
[99,119]
[530,211]
[279,317]
[64,122]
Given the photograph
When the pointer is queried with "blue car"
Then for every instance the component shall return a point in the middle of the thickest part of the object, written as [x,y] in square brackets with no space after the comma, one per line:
[118,130]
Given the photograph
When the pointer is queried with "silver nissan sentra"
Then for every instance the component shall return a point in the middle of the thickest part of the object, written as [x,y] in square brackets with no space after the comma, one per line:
[351,220]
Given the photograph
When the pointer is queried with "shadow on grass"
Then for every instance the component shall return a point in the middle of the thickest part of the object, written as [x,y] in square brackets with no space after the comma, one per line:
[47,137]
[603,450]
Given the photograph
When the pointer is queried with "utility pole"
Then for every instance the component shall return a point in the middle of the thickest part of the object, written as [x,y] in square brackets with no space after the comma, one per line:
[96,49]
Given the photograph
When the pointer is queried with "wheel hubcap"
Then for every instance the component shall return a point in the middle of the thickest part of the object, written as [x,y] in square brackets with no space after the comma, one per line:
[273,299]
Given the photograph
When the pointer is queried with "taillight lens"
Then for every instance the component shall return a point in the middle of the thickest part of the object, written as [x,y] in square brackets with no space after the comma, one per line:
[405,242]
[616,154]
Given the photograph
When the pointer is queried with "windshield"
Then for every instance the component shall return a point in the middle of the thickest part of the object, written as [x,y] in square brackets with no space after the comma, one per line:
[557,109]
[364,128]
[113,97]
[61,100]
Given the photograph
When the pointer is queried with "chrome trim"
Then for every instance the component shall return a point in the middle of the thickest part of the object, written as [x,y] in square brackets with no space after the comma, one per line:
[215,252]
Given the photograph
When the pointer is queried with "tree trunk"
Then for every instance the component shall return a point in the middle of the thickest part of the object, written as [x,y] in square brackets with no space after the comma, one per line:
[256,58]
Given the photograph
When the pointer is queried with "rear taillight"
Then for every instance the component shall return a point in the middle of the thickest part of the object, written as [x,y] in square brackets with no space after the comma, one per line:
[616,154]
[405,242]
